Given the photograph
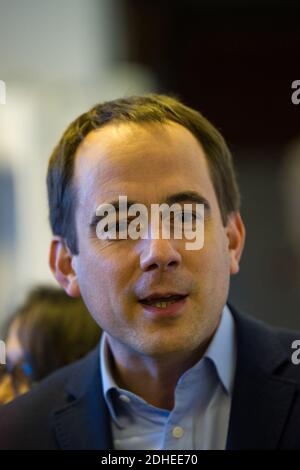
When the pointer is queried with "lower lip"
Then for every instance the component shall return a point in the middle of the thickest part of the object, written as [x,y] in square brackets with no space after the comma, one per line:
[169,311]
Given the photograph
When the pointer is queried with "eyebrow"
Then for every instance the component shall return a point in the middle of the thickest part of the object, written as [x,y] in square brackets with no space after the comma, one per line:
[184,196]
[188,196]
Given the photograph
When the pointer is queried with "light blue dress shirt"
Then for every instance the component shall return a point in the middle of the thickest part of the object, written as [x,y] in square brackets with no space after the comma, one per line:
[200,417]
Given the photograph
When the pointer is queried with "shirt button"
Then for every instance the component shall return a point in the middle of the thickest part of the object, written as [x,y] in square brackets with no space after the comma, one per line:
[124,398]
[177,432]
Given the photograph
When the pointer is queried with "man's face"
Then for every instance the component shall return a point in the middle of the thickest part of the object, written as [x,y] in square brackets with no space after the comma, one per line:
[149,164]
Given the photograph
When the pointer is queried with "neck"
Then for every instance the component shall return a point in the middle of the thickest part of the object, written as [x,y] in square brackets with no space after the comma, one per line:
[152,378]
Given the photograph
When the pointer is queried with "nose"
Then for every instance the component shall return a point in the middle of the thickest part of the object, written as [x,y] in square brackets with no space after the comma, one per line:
[159,254]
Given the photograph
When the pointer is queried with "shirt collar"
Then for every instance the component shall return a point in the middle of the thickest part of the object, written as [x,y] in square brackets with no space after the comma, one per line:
[221,352]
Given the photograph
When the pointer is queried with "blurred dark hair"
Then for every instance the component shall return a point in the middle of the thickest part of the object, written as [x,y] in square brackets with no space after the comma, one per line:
[53,329]
[135,109]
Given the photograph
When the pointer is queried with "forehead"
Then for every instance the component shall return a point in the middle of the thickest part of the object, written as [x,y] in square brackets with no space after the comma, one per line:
[145,162]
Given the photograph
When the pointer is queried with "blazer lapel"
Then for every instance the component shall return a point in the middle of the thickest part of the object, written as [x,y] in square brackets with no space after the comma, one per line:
[261,399]
[259,410]
[84,422]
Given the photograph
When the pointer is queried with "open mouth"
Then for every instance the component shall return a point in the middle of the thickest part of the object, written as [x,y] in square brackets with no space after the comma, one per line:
[162,301]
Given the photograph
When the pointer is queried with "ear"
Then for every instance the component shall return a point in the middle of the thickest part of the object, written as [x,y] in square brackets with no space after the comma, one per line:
[61,262]
[236,233]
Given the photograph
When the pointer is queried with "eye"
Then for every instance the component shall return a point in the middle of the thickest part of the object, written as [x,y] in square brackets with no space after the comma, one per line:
[185,217]
[188,217]
[112,230]
[121,226]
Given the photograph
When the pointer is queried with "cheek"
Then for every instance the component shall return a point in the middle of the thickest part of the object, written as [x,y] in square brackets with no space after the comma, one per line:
[101,281]
[213,260]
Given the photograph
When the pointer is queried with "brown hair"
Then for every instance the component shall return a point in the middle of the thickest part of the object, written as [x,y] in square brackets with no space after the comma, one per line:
[135,109]
[53,329]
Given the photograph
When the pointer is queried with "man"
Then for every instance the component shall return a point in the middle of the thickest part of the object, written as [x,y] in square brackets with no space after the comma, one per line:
[177,368]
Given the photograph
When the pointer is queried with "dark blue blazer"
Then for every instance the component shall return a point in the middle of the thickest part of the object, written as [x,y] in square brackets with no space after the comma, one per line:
[67,410]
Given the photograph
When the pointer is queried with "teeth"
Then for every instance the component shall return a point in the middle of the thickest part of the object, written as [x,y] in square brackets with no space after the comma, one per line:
[164,304]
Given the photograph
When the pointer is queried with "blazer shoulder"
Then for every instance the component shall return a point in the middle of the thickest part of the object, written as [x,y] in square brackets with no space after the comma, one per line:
[27,420]
[266,347]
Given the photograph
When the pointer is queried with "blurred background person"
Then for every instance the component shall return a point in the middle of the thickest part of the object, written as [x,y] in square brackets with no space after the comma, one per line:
[49,331]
